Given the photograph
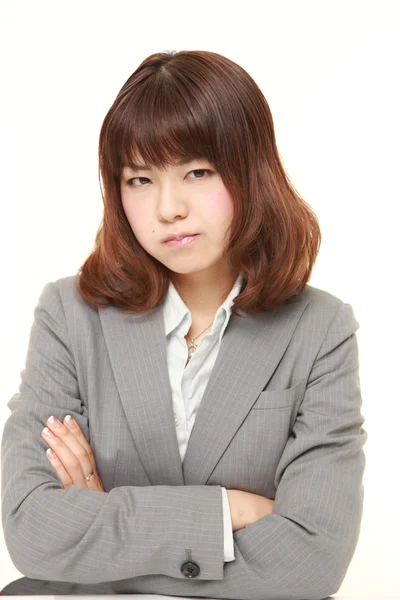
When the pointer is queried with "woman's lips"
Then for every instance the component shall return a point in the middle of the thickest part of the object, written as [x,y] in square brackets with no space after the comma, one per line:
[187,241]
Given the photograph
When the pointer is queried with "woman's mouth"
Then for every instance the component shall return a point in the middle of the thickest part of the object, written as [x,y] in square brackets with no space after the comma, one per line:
[183,242]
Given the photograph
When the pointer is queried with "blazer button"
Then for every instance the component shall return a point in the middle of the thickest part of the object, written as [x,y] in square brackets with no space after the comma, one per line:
[190,569]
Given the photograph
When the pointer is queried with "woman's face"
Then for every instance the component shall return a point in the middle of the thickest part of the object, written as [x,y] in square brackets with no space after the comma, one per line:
[184,198]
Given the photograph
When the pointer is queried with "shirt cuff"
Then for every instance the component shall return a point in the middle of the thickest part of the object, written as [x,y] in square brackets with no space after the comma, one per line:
[228,533]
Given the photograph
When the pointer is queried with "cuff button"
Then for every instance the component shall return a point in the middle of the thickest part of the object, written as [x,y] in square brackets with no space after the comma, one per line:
[190,569]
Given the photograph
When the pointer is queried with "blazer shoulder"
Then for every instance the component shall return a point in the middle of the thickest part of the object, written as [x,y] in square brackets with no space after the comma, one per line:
[319,297]
[328,307]
[67,285]
[62,295]
[69,293]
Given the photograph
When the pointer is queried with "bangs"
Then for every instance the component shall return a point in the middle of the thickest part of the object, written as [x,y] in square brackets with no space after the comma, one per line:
[159,126]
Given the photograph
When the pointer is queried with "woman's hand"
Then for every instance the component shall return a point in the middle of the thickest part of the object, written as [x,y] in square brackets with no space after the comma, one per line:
[70,454]
[245,508]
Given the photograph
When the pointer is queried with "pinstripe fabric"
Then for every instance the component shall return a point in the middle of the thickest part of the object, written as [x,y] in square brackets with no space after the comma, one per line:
[280,416]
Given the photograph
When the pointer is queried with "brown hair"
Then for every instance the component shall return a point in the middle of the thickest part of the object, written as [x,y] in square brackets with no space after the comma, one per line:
[199,104]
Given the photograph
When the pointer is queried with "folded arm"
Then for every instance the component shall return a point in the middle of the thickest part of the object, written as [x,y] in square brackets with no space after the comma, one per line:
[83,535]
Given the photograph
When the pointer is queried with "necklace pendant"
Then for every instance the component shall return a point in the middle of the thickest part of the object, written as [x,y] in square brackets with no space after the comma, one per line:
[192,349]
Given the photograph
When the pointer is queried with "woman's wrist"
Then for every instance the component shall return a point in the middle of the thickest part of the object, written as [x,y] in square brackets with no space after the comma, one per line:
[247,508]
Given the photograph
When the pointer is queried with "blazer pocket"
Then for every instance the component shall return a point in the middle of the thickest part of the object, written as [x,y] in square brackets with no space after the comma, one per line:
[280,398]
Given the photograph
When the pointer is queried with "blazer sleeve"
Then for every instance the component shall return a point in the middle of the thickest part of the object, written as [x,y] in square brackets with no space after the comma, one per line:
[82,535]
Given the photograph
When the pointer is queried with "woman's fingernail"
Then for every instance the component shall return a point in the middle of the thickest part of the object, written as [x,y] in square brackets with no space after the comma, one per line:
[47,432]
[69,421]
[54,422]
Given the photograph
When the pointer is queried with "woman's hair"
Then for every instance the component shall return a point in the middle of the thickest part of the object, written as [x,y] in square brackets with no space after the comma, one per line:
[199,104]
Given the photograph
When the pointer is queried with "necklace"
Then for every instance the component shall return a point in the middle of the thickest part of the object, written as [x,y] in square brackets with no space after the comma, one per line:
[193,347]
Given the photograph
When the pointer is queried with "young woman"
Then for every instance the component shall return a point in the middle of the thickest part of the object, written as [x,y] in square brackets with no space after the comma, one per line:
[216,443]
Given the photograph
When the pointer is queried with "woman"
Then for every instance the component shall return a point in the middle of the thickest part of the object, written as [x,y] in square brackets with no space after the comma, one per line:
[217,449]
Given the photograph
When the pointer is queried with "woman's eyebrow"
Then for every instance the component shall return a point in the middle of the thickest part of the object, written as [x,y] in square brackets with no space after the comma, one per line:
[136,167]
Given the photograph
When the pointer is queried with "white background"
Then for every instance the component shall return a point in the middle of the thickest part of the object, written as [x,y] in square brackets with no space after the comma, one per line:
[330,73]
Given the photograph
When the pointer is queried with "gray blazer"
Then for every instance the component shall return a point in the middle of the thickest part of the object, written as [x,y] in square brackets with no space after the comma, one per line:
[280,417]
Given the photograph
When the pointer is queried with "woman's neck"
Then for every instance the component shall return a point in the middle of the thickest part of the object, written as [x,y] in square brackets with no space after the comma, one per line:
[203,293]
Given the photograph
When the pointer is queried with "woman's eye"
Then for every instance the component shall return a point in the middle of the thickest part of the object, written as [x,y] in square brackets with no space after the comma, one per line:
[130,183]
[201,171]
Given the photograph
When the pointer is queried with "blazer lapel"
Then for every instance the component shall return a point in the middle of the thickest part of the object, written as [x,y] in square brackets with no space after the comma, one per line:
[251,348]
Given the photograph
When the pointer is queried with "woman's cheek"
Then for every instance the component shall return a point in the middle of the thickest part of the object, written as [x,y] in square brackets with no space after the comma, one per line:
[218,206]
[137,219]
